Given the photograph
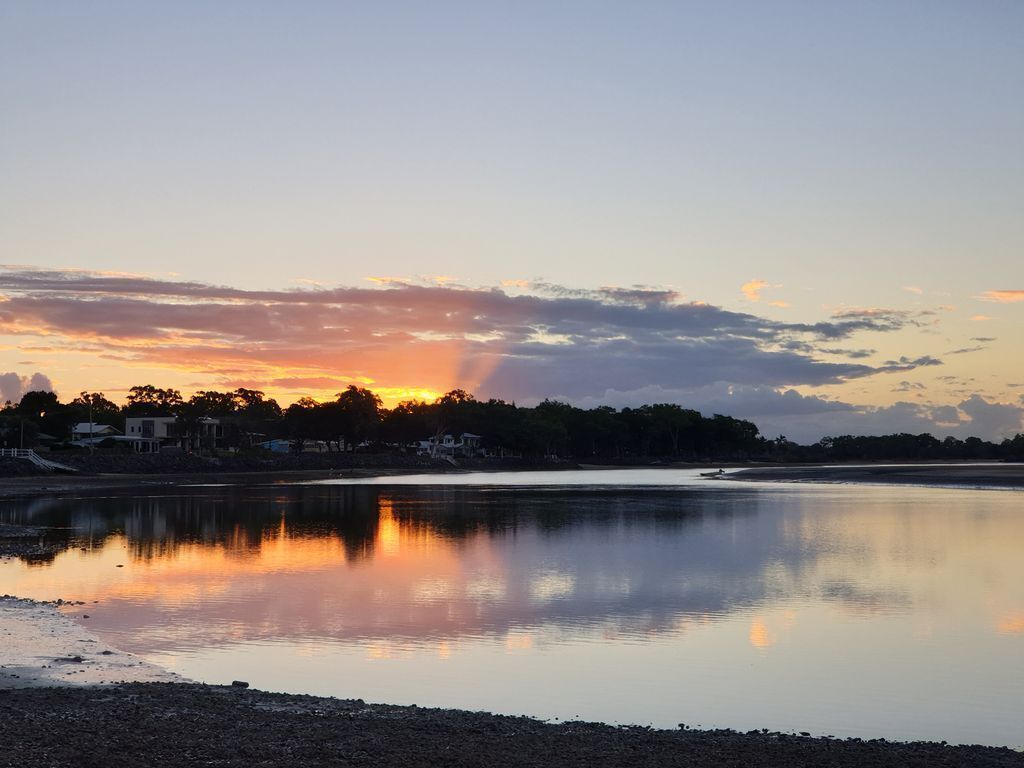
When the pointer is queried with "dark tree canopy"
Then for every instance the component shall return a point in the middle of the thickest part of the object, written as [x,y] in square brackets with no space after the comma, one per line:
[357,421]
[147,400]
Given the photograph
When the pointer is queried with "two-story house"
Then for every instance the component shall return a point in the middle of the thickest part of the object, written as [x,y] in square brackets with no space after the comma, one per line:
[149,434]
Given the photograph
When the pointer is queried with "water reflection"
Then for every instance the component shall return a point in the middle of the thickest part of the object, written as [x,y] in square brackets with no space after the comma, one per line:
[850,610]
[369,562]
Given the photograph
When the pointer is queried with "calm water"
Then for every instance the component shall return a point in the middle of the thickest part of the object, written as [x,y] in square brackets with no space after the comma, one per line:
[653,597]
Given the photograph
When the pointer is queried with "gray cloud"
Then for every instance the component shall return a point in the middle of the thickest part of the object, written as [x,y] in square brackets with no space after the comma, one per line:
[995,419]
[13,385]
[853,354]
[909,364]
[808,418]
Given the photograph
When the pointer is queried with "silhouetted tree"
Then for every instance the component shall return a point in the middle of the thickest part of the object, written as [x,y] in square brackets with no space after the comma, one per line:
[147,400]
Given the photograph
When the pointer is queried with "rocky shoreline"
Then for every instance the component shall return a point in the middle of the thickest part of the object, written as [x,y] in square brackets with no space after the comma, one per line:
[173,724]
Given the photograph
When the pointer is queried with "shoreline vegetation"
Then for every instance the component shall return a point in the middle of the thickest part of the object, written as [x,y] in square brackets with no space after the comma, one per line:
[244,426]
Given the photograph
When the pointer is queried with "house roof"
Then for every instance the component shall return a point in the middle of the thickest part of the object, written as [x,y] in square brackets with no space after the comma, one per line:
[85,427]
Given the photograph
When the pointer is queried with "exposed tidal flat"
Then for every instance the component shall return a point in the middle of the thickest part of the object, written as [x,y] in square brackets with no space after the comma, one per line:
[628,596]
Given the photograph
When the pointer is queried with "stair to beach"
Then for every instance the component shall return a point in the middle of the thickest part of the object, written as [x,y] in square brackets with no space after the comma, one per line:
[29,455]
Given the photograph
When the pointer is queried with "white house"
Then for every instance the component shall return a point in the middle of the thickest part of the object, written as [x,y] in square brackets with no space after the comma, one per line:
[86,429]
[148,434]
[467,445]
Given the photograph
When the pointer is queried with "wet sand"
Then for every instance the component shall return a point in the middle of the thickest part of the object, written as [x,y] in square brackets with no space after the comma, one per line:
[39,646]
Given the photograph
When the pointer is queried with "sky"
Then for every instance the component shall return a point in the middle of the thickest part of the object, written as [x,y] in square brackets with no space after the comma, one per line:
[805,214]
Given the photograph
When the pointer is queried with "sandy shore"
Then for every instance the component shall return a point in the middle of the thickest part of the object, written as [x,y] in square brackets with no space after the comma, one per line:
[39,646]
[941,475]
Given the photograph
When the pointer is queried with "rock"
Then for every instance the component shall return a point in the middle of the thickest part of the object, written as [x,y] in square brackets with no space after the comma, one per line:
[239,684]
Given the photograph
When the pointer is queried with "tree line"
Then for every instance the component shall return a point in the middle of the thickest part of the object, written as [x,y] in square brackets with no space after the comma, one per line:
[356,420]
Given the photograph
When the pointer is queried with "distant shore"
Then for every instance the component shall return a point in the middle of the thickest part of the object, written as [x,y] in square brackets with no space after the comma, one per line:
[19,478]
[952,474]
[960,475]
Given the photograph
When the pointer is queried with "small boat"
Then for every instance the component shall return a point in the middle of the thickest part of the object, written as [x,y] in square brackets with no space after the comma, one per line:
[713,474]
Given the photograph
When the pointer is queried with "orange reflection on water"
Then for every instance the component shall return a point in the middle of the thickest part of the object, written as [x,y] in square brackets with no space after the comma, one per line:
[391,576]
[759,635]
[1011,625]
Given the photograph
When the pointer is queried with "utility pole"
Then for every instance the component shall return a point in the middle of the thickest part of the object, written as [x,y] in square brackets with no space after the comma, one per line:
[89,397]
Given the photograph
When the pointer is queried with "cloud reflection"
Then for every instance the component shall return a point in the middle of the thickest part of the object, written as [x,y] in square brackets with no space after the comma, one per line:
[404,564]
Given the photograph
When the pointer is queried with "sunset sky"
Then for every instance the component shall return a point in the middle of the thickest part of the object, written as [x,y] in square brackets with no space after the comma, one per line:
[806,214]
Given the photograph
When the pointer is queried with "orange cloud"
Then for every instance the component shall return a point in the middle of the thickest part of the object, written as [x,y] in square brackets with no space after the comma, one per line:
[752,290]
[1002,297]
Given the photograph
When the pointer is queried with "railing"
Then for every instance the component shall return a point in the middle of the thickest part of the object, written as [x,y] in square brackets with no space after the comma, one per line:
[29,455]
[18,453]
